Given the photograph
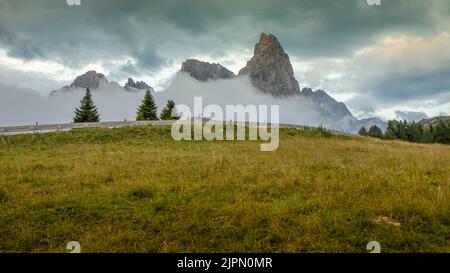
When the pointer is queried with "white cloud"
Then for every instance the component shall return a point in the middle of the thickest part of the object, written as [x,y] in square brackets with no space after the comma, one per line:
[398,72]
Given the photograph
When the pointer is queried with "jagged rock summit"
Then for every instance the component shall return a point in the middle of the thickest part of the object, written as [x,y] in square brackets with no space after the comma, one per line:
[90,79]
[204,71]
[327,106]
[97,81]
[140,85]
[270,68]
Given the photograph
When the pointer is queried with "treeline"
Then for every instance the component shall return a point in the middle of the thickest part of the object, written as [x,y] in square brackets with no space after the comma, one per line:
[87,111]
[411,131]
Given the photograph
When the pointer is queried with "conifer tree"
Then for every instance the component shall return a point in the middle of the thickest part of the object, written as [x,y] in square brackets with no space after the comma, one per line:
[362,131]
[389,134]
[148,109]
[166,113]
[441,133]
[427,136]
[376,132]
[87,112]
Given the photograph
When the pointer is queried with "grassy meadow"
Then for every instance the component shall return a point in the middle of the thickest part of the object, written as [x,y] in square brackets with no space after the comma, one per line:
[136,190]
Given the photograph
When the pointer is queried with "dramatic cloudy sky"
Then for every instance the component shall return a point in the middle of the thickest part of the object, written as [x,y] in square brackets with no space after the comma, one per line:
[390,61]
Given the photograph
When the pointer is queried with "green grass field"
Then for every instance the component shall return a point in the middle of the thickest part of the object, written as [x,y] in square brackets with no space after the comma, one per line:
[137,190]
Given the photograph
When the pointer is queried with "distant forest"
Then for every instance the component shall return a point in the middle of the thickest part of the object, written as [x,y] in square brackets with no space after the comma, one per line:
[411,131]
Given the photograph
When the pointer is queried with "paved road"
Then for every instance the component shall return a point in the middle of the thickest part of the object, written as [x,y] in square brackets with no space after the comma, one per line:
[48,128]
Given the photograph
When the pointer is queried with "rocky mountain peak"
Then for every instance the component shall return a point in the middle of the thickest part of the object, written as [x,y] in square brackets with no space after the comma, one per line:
[204,71]
[270,68]
[97,81]
[435,120]
[141,85]
[325,104]
[90,79]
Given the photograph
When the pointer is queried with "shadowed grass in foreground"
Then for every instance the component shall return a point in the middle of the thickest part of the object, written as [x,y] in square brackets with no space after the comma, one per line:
[137,190]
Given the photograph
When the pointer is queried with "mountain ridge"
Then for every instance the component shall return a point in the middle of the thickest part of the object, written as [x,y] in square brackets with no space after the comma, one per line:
[269,70]
[139,85]
[204,71]
[95,81]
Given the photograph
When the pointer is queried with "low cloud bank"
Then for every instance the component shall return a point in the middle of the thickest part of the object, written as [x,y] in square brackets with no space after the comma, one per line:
[293,110]
[25,107]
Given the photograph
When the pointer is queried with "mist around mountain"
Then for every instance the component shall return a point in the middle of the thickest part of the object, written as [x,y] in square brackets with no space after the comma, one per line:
[97,81]
[131,85]
[266,79]
[270,72]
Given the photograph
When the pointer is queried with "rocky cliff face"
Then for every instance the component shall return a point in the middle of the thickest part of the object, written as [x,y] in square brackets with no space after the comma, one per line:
[271,72]
[327,106]
[140,85]
[204,71]
[90,79]
[336,114]
[97,81]
[435,120]
[270,68]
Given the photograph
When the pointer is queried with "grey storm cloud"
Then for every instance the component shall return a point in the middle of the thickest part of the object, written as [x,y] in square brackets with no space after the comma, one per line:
[19,47]
[401,87]
[162,33]
[144,29]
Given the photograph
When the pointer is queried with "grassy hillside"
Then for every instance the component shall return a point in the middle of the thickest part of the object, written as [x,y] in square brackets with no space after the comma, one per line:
[136,190]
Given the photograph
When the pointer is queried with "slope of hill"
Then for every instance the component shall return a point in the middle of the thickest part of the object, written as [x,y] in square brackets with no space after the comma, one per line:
[137,190]
[434,121]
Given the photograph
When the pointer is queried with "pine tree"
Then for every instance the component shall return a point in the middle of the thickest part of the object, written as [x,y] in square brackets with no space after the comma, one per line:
[362,131]
[389,134]
[427,136]
[393,126]
[148,109]
[166,113]
[87,112]
[376,132]
[441,133]
[402,125]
